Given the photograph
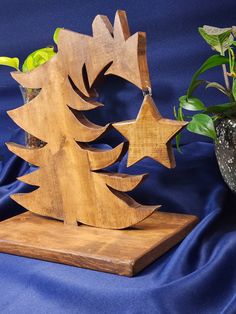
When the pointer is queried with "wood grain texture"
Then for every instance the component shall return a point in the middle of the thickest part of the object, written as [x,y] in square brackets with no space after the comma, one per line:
[123,252]
[150,135]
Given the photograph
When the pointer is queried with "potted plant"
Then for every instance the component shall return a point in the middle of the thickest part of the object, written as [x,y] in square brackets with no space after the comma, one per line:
[33,60]
[217,121]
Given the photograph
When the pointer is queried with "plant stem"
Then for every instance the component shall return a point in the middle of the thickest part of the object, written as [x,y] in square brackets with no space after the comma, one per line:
[226,78]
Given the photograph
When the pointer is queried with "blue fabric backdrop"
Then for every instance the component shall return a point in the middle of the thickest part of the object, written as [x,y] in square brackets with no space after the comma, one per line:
[196,276]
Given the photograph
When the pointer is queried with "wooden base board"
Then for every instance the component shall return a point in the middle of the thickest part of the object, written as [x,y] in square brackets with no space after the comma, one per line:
[123,252]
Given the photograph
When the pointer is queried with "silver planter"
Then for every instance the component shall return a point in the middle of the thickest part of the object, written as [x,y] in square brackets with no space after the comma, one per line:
[225,148]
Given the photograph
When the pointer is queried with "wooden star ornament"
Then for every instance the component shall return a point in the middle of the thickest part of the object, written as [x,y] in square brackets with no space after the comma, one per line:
[150,135]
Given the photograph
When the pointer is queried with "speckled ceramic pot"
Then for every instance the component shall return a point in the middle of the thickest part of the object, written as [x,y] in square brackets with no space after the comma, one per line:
[225,149]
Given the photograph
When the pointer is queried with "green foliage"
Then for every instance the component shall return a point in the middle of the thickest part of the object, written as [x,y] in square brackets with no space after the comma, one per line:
[202,124]
[222,41]
[222,108]
[35,59]
[218,86]
[210,63]
[218,38]
[191,103]
[56,34]
[234,89]
[10,62]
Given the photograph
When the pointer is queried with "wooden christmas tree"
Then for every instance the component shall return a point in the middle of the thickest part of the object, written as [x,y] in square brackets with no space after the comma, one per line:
[72,183]
[70,189]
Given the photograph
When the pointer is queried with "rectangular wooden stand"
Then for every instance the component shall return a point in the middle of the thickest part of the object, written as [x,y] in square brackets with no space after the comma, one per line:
[123,252]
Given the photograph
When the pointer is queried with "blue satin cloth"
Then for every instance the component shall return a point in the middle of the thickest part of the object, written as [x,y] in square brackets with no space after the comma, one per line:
[197,276]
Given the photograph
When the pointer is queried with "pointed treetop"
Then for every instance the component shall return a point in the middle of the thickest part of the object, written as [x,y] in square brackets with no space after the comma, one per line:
[121,27]
[101,26]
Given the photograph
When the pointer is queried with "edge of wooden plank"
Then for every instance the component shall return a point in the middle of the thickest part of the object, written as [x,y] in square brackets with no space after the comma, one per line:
[169,242]
[72,259]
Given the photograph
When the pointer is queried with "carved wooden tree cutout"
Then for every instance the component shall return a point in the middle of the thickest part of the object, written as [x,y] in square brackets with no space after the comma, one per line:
[72,185]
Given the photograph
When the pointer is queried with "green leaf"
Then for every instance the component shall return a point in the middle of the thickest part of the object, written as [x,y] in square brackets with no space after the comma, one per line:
[202,124]
[30,63]
[180,114]
[234,30]
[175,113]
[234,89]
[211,62]
[218,86]
[196,84]
[37,58]
[216,31]
[10,62]
[180,117]
[191,103]
[55,35]
[222,108]
[218,38]
[177,141]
